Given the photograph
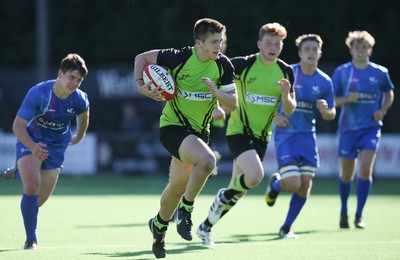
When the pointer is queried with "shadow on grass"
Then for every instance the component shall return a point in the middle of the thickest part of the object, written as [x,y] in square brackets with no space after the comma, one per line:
[115,226]
[262,237]
[186,247]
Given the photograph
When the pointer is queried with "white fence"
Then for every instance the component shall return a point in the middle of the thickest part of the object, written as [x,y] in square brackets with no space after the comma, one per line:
[82,158]
[79,159]
[387,162]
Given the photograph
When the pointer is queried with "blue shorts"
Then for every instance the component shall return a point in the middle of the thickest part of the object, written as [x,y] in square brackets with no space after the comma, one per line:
[55,159]
[351,143]
[296,149]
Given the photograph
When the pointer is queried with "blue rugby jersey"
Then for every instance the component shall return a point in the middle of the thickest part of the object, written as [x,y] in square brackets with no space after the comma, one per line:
[371,83]
[308,89]
[49,117]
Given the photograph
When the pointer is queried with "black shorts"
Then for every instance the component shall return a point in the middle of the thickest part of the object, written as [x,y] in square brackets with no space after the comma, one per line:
[172,137]
[241,143]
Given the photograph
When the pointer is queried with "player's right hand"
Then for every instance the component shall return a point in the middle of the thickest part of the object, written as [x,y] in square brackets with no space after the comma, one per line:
[39,152]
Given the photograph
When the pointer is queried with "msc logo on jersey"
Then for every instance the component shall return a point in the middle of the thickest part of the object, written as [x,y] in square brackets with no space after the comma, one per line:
[197,96]
[261,99]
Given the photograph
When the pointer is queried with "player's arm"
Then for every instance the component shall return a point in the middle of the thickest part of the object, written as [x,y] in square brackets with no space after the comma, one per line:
[281,120]
[227,98]
[219,112]
[82,124]
[141,61]
[350,98]
[387,102]
[37,149]
[326,112]
[288,98]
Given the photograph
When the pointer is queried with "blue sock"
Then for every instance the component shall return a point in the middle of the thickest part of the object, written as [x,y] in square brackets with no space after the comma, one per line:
[363,189]
[295,206]
[344,189]
[30,210]
[275,186]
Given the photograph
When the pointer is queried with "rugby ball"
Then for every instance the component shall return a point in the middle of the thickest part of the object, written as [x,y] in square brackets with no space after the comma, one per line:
[161,79]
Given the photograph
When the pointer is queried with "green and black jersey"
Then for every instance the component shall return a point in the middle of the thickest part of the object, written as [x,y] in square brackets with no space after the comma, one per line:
[259,95]
[193,106]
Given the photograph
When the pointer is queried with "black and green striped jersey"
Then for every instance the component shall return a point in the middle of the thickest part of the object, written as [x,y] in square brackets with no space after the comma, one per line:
[193,106]
[259,95]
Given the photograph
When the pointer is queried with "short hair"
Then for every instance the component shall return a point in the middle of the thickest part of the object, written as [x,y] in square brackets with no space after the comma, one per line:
[74,62]
[275,29]
[206,26]
[359,36]
[308,37]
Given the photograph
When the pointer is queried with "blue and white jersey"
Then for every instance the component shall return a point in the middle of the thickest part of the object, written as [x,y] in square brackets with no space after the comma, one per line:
[308,89]
[49,117]
[370,82]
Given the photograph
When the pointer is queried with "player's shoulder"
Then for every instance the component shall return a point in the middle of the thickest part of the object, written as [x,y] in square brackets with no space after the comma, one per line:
[378,67]
[172,57]
[81,93]
[283,63]
[223,60]
[42,87]
[344,66]
[240,63]
[249,59]
[322,74]
[187,50]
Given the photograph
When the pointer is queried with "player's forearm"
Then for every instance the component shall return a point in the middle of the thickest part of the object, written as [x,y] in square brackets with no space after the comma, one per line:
[82,124]
[228,100]
[19,129]
[387,101]
[289,103]
[329,114]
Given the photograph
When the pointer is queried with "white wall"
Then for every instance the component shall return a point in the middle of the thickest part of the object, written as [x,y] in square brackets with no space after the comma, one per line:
[82,158]
[79,158]
[387,162]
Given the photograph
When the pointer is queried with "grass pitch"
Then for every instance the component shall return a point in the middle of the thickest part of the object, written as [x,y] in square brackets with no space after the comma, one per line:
[106,218]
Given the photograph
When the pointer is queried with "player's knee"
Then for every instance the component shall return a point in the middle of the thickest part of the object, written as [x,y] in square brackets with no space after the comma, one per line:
[292,184]
[291,178]
[31,188]
[254,179]
[207,163]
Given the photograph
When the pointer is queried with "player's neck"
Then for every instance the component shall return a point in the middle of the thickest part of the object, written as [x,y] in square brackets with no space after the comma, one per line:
[360,64]
[59,92]
[308,69]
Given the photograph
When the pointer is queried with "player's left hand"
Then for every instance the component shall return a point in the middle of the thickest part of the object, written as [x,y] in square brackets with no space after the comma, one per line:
[379,115]
[211,85]
[322,105]
[219,113]
[285,86]
[281,120]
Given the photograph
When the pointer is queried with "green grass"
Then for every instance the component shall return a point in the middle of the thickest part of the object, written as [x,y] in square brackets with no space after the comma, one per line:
[106,218]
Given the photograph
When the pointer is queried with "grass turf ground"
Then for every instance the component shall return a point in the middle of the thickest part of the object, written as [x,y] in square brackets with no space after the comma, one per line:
[106,217]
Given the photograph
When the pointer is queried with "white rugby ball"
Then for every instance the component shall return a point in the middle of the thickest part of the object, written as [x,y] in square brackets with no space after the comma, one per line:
[161,79]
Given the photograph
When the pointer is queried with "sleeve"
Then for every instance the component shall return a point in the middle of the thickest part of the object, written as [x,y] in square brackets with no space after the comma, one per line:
[287,72]
[28,108]
[84,103]
[336,83]
[328,94]
[387,84]
[228,72]
[172,58]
